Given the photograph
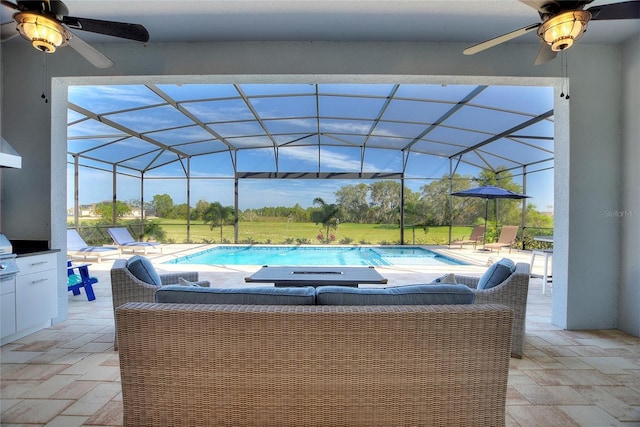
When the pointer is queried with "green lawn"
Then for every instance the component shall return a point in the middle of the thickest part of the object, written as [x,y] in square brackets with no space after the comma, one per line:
[283,232]
[276,232]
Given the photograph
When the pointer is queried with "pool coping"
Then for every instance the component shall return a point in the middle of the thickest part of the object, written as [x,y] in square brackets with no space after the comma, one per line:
[444,251]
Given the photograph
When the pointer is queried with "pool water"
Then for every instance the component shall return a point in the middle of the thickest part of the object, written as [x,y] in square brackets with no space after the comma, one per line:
[311,255]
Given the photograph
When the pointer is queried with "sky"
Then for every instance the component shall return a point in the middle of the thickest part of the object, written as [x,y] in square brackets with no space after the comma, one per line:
[135,120]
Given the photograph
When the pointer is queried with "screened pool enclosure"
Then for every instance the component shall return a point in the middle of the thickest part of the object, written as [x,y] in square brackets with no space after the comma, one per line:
[255,145]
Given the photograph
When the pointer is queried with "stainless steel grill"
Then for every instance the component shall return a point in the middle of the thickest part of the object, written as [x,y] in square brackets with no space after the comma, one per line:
[8,265]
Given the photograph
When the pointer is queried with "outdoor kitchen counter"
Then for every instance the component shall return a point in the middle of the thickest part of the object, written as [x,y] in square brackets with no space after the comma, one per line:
[30,300]
[36,252]
[31,247]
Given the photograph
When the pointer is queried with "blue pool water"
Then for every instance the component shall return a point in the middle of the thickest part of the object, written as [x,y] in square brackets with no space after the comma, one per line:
[311,255]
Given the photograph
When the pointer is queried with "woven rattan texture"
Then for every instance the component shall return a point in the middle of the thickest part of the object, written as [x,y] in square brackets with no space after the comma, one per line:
[203,365]
[125,287]
[512,293]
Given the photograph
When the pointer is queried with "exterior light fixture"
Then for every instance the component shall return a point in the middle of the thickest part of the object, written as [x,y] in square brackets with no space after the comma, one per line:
[44,33]
[562,30]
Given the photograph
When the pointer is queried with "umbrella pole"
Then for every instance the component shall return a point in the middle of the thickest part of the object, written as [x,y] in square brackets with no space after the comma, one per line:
[486,212]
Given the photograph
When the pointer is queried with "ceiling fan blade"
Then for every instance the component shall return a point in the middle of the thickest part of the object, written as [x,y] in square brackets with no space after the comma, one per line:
[8,31]
[89,53]
[111,28]
[9,4]
[545,54]
[624,10]
[500,39]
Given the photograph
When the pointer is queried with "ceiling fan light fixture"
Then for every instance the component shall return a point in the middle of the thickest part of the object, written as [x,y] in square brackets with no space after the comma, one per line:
[563,29]
[44,33]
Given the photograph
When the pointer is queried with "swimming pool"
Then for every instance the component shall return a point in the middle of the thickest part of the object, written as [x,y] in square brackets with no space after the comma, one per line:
[313,255]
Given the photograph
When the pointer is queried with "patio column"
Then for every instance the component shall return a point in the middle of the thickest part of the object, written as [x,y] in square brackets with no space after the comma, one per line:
[402,209]
[76,191]
[114,196]
[235,209]
[524,205]
[142,201]
[189,199]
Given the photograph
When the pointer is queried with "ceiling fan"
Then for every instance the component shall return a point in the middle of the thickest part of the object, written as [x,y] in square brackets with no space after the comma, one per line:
[563,22]
[45,24]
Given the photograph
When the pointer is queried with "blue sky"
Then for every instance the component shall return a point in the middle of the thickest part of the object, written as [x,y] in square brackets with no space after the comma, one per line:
[136,123]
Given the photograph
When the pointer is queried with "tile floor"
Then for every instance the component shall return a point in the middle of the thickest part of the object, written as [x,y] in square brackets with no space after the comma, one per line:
[68,375]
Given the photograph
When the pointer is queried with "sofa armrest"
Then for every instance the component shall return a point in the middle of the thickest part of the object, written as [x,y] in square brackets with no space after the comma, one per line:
[513,293]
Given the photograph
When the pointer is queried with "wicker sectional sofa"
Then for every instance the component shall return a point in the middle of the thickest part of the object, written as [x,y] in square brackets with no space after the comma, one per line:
[295,364]
[512,292]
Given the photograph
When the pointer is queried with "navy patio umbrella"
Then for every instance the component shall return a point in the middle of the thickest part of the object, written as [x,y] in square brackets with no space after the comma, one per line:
[489,192]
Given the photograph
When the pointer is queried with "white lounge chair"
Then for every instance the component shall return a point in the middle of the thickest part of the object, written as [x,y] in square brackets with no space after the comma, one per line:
[123,240]
[77,248]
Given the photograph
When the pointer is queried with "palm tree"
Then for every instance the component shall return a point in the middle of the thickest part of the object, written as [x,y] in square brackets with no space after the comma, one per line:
[327,216]
[216,215]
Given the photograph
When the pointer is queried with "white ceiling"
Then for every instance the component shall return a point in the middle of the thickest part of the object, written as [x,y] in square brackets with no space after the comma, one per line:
[465,21]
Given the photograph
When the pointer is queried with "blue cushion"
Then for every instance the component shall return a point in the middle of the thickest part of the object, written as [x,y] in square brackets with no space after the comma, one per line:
[143,270]
[399,295]
[496,274]
[264,295]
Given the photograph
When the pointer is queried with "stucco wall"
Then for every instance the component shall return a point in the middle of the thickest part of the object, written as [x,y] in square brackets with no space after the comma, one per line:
[589,147]
[629,212]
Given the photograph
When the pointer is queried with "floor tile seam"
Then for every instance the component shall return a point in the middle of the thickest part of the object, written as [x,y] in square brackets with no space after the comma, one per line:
[88,362]
[605,367]
[610,390]
[562,377]
[610,405]
[8,414]
[32,367]
[565,408]
[49,382]
[73,383]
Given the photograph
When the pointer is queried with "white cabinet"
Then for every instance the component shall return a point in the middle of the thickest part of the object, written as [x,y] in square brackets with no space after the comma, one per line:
[7,306]
[29,300]
[36,291]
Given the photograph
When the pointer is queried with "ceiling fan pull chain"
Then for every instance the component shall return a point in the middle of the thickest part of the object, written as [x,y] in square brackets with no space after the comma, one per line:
[44,78]
[565,61]
[564,75]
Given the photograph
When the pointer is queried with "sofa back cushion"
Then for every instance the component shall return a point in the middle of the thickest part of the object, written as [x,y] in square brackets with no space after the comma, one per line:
[262,295]
[496,274]
[143,270]
[399,295]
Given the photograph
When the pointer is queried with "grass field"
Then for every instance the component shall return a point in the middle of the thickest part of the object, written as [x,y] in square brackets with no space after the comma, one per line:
[283,232]
[274,232]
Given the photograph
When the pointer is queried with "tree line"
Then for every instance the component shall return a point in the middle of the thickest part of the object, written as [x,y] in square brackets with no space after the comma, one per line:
[375,203]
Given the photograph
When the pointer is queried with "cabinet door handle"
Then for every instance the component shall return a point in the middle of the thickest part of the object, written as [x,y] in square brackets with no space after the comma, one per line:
[35,282]
[33,264]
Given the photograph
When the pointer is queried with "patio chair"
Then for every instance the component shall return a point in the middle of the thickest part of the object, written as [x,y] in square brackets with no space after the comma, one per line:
[136,280]
[77,248]
[81,279]
[512,292]
[477,235]
[123,240]
[507,237]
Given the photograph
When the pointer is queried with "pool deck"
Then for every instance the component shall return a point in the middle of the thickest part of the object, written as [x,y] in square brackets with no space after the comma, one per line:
[233,275]
[68,374]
